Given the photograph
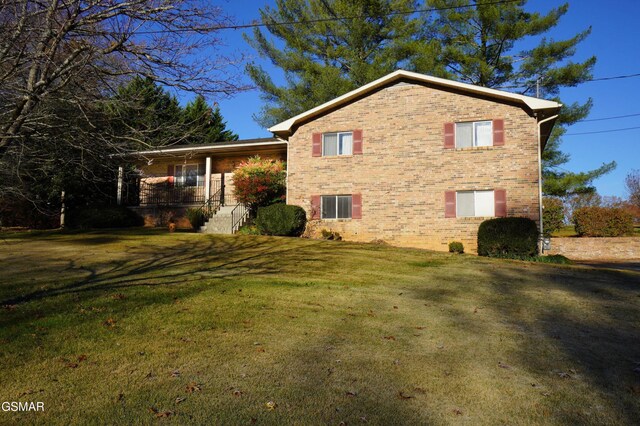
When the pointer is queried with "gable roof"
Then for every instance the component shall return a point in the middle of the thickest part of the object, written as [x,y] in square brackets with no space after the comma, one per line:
[534,104]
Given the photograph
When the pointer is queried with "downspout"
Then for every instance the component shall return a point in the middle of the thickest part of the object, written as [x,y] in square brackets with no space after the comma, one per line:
[541,237]
[286,179]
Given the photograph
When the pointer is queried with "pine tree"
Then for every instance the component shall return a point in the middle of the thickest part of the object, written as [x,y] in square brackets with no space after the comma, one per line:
[205,124]
[482,45]
[146,114]
[339,46]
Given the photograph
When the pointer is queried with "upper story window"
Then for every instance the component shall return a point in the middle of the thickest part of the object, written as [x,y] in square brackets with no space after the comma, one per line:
[470,134]
[473,134]
[338,143]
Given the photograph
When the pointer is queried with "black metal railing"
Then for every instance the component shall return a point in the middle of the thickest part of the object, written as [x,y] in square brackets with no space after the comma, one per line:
[239,215]
[212,205]
[168,194]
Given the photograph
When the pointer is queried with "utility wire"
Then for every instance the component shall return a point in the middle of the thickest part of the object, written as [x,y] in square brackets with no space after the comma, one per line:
[608,118]
[615,77]
[313,21]
[602,131]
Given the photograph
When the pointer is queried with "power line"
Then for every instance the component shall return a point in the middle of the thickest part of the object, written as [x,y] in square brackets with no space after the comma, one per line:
[615,77]
[608,118]
[313,21]
[602,131]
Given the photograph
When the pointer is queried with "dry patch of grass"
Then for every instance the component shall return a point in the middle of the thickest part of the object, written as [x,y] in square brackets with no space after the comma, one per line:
[141,326]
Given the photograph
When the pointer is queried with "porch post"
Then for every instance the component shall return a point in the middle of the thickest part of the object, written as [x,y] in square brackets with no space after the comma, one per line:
[120,175]
[207,179]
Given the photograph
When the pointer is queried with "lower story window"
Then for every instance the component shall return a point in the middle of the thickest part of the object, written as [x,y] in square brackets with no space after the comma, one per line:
[336,207]
[189,175]
[475,204]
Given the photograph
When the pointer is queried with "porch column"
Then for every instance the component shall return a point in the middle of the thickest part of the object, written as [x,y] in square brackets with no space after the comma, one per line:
[120,175]
[207,179]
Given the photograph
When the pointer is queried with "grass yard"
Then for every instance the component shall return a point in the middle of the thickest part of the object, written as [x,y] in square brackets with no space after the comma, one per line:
[146,327]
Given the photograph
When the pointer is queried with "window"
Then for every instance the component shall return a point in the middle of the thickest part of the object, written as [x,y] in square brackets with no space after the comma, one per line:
[189,175]
[470,134]
[475,204]
[339,143]
[336,207]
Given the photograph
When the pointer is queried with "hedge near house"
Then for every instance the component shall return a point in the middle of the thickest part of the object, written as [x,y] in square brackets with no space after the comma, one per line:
[508,237]
[602,222]
[281,219]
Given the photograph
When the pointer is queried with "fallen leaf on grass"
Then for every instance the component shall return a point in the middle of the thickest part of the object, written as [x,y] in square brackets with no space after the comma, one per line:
[29,392]
[271,405]
[237,393]
[564,375]
[160,414]
[175,373]
[82,357]
[72,365]
[193,387]
[404,396]
[9,307]
[457,411]
[260,350]
[390,337]
[110,322]
[503,365]
[351,393]
[180,399]
[420,328]
[118,296]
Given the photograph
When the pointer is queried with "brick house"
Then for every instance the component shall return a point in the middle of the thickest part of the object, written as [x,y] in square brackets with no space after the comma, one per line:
[410,159]
[416,160]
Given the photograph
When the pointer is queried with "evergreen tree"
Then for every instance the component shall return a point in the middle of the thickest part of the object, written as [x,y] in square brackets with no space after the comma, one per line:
[146,114]
[339,46]
[482,45]
[205,124]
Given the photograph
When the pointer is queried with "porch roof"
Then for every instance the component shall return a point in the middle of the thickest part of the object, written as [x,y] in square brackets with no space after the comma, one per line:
[239,146]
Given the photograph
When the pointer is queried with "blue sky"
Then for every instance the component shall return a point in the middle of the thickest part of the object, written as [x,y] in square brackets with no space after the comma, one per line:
[614,40]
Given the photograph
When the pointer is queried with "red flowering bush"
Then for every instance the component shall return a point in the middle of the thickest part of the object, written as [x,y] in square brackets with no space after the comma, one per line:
[259,183]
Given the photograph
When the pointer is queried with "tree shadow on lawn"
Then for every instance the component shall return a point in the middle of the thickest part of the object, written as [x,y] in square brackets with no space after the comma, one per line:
[198,263]
[574,327]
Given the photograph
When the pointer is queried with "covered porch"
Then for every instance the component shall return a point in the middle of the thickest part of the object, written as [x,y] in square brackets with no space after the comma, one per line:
[165,182]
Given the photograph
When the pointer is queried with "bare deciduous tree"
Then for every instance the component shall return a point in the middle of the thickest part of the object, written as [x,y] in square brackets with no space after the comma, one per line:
[632,182]
[46,45]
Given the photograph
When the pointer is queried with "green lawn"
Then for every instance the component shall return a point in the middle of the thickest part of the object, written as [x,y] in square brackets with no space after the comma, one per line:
[146,327]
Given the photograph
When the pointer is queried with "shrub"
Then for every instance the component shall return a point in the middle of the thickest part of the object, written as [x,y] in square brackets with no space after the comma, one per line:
[602,222]
[104,217]
[259,183]
[552,215]
[281,219]
[508,236]
[456,247]
[248,230]
[196,217]
[330,235]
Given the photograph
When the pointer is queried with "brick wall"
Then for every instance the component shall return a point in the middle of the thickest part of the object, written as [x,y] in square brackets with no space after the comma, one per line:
[622,248]
[405,170]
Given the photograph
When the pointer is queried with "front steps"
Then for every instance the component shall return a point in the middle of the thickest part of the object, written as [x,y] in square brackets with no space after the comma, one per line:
[220,222]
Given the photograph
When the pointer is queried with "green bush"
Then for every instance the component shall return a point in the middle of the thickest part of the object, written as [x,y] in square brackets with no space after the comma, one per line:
[248,230]
[508,236]
[104,217]
[602,222]
[330,235]
[552,215]
[456,247]
[196,217]
[281,219]
[552,258]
